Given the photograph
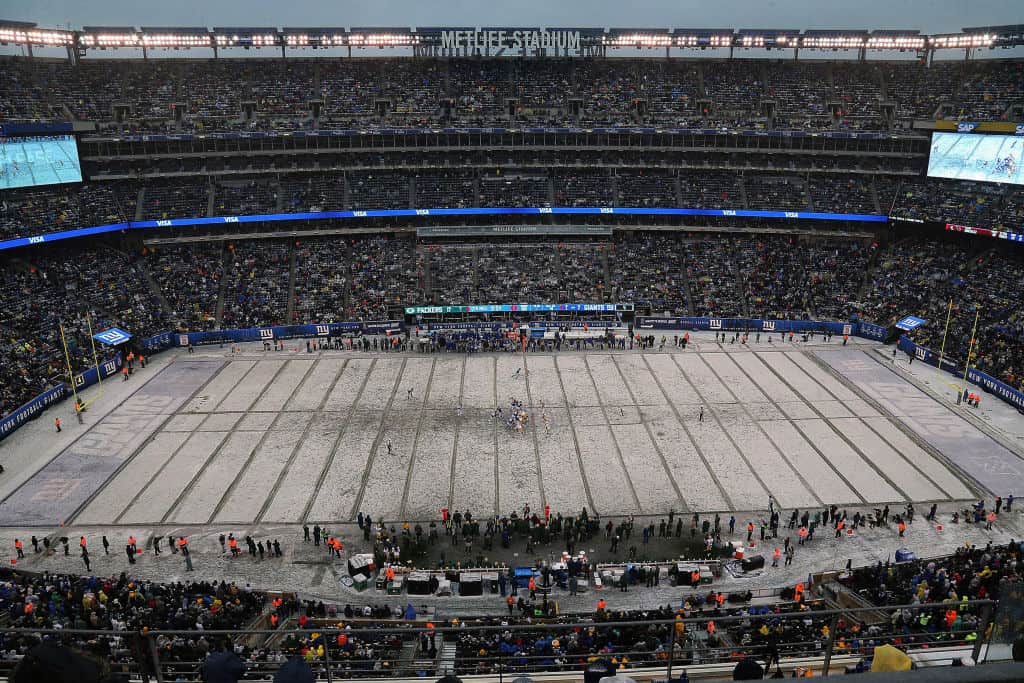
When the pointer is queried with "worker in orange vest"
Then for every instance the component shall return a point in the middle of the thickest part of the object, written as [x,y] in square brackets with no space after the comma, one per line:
[750,531]
[233,545]
[81,542]
[803,534]
[19,546]
[694,578]
[711,628]
[390,573]
[131,542]
[775,557]
[533,588]
[902,527]
[846,338]
[56,423]
[991,520]
[798,592]
[124,373]
[720,599]
[273,621]
[600,604]
[839,528]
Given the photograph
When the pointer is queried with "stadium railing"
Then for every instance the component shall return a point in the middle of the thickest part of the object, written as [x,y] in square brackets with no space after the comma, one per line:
[681,646]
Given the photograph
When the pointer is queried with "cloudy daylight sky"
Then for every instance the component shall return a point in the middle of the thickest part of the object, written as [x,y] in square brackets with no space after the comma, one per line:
[930,16]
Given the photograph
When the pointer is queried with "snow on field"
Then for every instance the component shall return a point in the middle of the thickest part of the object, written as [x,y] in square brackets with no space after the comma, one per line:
[277,394]
[382,383]
[559,461]
[900,472]
[871,487]
[201,499]
[337,494]
[172,480]
[624,438]
[220,422]
[610,387]
[346,390]
[639,379]
[111,501]
[252,385]
[691,474]
[544,385]
[576,381]
[258,479]
[414,376]
[651,481]
[702,379]
[603,469]
[386,481]
[805,459]
[430,482]
[222,385]
[671,381]
[313,390]
[473,487]
[790,374]
[478,388]
[184,423]
[932,468]
[296,486]
[446,383]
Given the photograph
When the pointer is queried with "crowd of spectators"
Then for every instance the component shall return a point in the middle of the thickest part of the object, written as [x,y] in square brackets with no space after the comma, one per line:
[215,95]
[258,283]
[76,288]
[27,212]
[921,277]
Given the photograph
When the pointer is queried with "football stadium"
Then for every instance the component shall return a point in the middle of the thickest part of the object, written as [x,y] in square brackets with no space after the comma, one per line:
[363,352]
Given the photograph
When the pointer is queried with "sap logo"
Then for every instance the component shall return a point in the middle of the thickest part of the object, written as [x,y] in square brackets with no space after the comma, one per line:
[607,210]
[920,352]
[182,340]
[322,330]
[231,219]
[545,209]
[110,367]
[729,212]
[422,212]
[847,329]
[791,214]
[266,334]
[715,324]
[359,214]
[163,224]
[768,325]
[39,239]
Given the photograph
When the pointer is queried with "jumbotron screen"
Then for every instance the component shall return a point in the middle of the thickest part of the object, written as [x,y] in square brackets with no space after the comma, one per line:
[969,156]
[38,160]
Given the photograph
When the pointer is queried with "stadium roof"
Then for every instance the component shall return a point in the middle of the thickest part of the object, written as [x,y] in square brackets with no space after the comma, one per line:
[586,38]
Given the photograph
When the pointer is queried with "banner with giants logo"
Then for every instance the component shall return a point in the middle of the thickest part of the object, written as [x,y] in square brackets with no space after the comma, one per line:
[112,336]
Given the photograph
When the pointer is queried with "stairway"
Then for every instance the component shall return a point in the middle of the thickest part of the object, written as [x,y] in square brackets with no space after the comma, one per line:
[290,311]
[224,274]
[446,659]
[157,292]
